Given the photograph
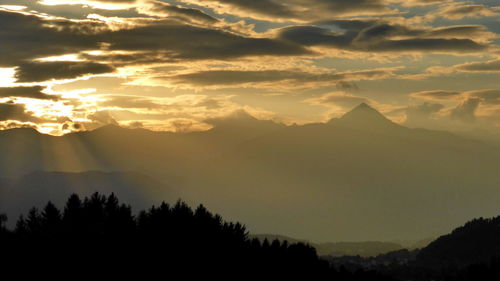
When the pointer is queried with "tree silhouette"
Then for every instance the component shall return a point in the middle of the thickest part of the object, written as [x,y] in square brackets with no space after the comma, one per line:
[100,234]
[3,221]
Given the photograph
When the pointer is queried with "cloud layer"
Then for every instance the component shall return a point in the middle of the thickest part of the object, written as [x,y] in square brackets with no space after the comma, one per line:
[158,63]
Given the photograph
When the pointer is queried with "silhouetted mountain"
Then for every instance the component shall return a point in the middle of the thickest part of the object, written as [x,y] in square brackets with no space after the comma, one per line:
[341,179]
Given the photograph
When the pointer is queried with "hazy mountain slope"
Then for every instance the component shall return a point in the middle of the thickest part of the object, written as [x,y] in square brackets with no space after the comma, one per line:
[347,179]
[342,180]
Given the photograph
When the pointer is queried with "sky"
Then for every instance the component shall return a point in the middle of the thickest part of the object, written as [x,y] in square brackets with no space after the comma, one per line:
[72,65]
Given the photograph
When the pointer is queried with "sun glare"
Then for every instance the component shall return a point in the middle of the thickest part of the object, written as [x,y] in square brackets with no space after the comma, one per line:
[68,57]
[7,77]
[13,7]
[95,4]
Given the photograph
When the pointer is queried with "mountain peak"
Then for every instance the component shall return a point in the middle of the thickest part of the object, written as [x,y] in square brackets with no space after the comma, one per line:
[365,116]
[363,111]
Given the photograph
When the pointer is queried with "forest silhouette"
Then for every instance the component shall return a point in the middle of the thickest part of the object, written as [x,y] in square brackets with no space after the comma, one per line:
[99,234]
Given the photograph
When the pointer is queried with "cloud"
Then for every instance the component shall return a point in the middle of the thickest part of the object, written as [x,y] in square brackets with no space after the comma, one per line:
[466,110]
[25,37]
[487,66]
[44,71]
[380,36]
[161,39]
[437,95]
[486,96]
[420,115]
[489,97]
[185,42]
[459,11]
[294,10]
[410,3]
[18,112]
[491,66]
[98,4]
[34,92]
[344,100]
[274,78]
[210,103]
[102,117]
[162,9]
[125,101]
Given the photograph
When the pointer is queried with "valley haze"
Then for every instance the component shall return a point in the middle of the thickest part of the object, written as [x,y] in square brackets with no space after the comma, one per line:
[360,177]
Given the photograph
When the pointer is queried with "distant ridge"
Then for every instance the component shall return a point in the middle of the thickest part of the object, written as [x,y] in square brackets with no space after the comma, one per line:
[260,171]
[339,249]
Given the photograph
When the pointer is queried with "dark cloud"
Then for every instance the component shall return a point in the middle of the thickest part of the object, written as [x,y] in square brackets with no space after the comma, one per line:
[294,10]
[141,58]
[186,42]
[428,45]
[487,66]
[293,77]
[316,36]
[34,92]
[466,111]
[437,95]
[25,37]
[13,111]
[44,71]
[344,85]
[428,2]
[379,31]
[375,36]
[486,96]
[162,9]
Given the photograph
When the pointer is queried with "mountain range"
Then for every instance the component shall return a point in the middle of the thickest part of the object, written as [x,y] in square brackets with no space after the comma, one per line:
[356,178]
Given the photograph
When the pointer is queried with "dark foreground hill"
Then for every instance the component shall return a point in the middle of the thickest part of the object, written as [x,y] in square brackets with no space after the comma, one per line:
[99,235]
[476,241]
[468,253]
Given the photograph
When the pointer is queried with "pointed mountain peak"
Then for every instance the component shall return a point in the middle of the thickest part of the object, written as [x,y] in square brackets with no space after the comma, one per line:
[364,112]
[365,116]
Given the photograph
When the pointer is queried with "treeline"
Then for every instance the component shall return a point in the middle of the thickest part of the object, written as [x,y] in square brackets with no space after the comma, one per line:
[100,234]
